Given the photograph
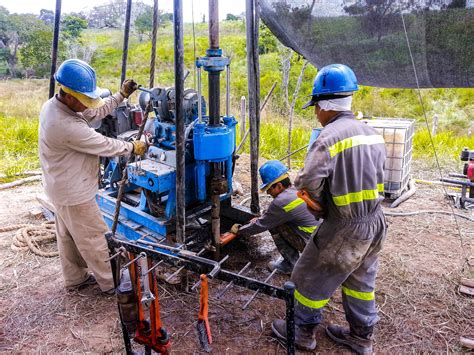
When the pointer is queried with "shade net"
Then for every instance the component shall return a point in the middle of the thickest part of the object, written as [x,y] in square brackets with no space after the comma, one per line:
[369,36]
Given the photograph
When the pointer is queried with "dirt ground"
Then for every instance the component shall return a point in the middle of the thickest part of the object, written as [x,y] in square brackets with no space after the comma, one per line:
[420,307]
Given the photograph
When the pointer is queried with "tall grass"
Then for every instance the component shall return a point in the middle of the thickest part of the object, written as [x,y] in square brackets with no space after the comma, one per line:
[21,100]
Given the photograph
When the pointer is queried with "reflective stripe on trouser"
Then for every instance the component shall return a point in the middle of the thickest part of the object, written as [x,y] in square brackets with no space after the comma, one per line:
[81,243]
[341,253]
[288,243]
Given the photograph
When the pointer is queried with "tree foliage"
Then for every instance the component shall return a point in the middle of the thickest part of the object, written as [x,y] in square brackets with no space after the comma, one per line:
[72,27]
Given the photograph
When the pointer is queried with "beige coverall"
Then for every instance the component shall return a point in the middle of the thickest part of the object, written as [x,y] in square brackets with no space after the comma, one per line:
[69,151]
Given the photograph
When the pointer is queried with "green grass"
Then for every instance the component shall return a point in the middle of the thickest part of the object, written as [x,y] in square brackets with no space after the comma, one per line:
[19,148]
[21,100]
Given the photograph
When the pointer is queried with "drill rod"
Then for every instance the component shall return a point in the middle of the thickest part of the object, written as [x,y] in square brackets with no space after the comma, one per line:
[121,250]
[141,255]
[230,284]
[258,291]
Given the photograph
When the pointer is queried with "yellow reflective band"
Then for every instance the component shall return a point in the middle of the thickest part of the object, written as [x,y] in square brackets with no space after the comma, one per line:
[307,229]
[293,204]
[354,142]
[310,303]
[352,197]
[364,296]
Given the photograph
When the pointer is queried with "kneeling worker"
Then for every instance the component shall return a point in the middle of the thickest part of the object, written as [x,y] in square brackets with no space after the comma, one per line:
[287,218]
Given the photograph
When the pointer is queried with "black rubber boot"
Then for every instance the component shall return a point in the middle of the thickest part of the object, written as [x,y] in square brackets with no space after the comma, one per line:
[304,335]
[282,265]
[361,345]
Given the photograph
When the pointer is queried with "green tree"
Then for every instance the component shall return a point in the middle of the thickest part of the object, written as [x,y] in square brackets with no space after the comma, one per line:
[231,17]
[47,16]
[72,27]
[144,23]
[267,42]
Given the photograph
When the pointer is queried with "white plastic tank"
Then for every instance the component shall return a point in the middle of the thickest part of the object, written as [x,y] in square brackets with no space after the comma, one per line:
[398,135]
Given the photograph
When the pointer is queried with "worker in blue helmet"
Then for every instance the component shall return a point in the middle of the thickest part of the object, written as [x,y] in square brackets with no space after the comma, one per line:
[69,150]
[344,174]
[288,220]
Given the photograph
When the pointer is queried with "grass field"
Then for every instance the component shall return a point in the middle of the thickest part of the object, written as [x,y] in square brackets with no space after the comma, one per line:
[21,100]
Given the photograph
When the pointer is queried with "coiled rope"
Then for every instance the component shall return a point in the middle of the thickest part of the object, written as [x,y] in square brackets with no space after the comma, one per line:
[32,237]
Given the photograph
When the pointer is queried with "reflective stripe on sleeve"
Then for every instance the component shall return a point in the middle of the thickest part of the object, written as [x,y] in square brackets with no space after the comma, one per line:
[354,141]
[308,302]
[364,296]
[292,205]
[308,230]
[364,195]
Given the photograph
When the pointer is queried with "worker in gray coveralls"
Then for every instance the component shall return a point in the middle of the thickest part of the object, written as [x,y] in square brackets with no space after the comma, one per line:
[69,150]
[287,218]
[343,172]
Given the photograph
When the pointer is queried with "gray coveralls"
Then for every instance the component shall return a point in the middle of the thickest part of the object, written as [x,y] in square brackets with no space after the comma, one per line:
[289,222]
[344,172]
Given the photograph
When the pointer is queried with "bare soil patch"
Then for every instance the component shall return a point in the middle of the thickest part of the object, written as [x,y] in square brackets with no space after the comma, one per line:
[420,307]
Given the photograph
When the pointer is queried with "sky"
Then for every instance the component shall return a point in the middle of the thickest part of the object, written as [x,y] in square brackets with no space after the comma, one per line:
[200,6]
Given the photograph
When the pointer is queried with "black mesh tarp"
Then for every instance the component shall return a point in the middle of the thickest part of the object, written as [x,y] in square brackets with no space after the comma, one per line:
[368,35]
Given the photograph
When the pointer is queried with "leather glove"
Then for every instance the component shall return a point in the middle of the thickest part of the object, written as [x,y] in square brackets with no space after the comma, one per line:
[235,228]
[139,147]
[128,87]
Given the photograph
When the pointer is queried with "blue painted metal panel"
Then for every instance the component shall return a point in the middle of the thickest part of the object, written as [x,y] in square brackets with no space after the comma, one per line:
[107,205]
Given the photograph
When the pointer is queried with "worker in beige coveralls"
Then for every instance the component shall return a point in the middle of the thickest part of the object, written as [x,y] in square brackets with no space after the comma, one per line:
[69,150]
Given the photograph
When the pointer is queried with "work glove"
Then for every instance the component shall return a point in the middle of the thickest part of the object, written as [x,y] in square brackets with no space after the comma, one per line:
[128,87]
[235,228]
[139,147]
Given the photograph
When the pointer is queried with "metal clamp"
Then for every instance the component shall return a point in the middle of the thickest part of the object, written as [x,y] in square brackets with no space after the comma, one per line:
[212,64]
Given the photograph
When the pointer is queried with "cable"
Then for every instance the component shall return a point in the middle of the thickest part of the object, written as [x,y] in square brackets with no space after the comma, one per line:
[413,213]
[431,137]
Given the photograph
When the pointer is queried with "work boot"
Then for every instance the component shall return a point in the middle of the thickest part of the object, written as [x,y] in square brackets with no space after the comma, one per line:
[304,335]
[282,265]
[361,345]
[87,282]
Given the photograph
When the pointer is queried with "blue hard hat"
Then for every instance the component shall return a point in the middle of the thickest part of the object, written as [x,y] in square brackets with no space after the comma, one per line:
[78,76]
[333,81]
[272,172]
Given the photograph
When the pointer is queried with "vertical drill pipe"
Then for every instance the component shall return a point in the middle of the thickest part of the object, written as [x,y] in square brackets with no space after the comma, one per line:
[179,90]
[214,77]
[153,43]
[216,221]
[290,316]
[54,51]
[126,34]
[253,74]
[214,24]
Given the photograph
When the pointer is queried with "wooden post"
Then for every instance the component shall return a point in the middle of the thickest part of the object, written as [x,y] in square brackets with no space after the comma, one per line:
[243,109]
[253,74]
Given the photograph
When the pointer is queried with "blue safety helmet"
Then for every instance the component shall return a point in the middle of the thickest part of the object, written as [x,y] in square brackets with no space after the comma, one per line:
[272,172]
[79,77]
[332,82]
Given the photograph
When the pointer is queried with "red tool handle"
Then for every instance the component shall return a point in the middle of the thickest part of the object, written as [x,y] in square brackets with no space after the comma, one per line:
[226,238]
[315,206]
